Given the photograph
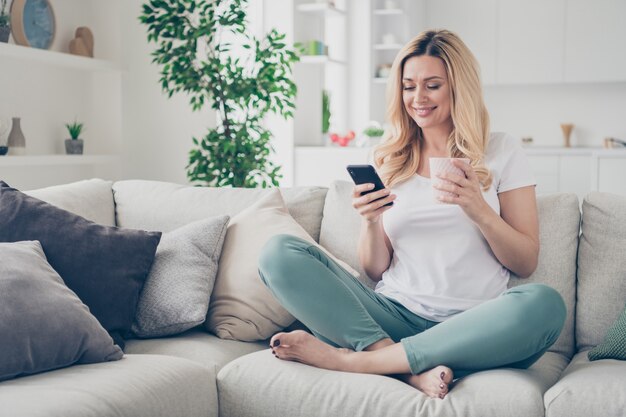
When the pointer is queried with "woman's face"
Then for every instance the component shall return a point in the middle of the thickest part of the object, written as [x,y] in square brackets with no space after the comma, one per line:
[426,92]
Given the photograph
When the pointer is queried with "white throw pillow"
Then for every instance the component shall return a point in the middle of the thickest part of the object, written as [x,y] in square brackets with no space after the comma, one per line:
[241,307]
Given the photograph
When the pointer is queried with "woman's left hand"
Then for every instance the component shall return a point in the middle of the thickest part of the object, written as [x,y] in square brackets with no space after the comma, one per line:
[466,190]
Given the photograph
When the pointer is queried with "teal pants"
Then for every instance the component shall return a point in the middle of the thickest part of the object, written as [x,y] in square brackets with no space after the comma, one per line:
[512,330]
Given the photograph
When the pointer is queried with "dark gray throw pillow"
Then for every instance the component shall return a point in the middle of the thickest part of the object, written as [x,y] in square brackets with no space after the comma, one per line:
[105,266]
[43,324]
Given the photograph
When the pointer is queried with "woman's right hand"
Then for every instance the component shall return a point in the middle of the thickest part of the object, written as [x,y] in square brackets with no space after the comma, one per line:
[369,209]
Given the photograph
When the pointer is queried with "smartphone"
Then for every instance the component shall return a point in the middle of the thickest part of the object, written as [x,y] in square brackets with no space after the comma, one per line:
[362,174]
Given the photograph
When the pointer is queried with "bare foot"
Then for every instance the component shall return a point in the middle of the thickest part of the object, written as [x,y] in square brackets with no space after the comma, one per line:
[301,346]
[434,382]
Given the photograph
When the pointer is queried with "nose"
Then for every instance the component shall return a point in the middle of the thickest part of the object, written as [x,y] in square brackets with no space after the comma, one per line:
[419,95]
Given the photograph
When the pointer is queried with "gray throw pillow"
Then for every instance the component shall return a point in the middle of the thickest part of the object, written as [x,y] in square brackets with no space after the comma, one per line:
[176,294]
[105,266]
[43,324]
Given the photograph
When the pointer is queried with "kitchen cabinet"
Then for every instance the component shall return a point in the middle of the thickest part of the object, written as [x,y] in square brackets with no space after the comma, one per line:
[546,171]
[556,170]
[530,41]
[611,173]
[475,23]
[595,35]
[317,165]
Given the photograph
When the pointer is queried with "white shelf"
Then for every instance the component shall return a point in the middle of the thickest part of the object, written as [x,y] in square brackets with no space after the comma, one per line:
[388,12]
[57,160]
[322,8]
[54,58]
[387,46]
[319,59]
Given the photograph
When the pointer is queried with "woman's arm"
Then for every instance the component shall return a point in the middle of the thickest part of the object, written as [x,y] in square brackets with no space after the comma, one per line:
[374,248]
[514,234]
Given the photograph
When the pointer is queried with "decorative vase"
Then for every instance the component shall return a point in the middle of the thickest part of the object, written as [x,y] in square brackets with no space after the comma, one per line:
[5,31]
[16,142]
[74,146]
[566,128]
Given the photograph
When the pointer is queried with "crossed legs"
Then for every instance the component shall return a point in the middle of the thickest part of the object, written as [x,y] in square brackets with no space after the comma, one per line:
[358,330]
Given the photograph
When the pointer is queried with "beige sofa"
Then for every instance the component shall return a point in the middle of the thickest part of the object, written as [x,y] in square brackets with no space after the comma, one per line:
[198,374]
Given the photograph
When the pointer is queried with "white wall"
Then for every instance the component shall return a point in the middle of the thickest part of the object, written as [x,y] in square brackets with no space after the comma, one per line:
[157,130]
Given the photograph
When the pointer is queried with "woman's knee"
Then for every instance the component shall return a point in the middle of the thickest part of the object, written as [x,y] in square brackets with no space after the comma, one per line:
[547,305]
[276,256]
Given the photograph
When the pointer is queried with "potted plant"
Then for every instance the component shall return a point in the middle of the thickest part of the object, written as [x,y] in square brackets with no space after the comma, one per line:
[374,132]
[74,146]
[195,41]
[5,22]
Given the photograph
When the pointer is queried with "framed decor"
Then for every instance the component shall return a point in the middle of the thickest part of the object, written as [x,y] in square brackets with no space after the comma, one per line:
[33,23]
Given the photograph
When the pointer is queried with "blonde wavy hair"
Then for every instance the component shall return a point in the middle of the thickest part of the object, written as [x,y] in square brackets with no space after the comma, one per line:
[397,157]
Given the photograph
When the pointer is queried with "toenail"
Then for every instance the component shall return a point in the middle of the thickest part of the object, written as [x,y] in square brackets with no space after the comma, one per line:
[276,342]
[441,396]
[442,375]
[441,386]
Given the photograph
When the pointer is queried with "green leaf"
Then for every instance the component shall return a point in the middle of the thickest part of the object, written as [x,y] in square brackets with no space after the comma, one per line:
[236,153]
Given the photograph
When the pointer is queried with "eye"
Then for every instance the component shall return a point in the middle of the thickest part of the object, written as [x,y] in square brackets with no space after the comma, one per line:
[433,86]
[408,87]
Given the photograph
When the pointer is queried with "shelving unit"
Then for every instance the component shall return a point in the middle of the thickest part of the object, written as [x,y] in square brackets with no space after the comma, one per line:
[53,58]
[321,8]
[49,88]
[319,59]
[57,160]
[389,32]
[315,74]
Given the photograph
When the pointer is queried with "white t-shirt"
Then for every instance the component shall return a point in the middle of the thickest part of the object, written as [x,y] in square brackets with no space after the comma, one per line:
[442,264]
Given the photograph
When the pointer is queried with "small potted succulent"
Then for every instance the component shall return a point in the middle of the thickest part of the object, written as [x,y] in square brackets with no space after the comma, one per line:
[5,22]
[74,146]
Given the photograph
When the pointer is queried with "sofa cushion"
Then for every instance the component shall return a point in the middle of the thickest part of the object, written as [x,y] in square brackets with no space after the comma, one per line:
[309,391]
[176,295]
[196,345]
[154,205]
[43,324]
[341,226]
[93,260]
[91,199]
[559,225]
[136,386]
[559,220]
[601,267]
[588,389]
[241,306]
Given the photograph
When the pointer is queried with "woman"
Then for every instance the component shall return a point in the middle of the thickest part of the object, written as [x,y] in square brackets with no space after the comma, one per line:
[441,308]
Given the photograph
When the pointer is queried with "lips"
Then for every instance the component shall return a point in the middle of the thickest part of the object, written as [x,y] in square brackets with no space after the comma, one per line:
[424,111]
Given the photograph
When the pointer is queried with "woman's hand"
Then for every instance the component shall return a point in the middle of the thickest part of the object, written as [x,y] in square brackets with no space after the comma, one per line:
[365,204]
[467,191]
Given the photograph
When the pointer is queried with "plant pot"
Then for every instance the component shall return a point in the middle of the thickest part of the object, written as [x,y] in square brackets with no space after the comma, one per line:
[74,146]
[5,31]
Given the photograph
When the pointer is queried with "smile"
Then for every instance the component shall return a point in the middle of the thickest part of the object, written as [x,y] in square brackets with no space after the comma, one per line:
[424,111]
